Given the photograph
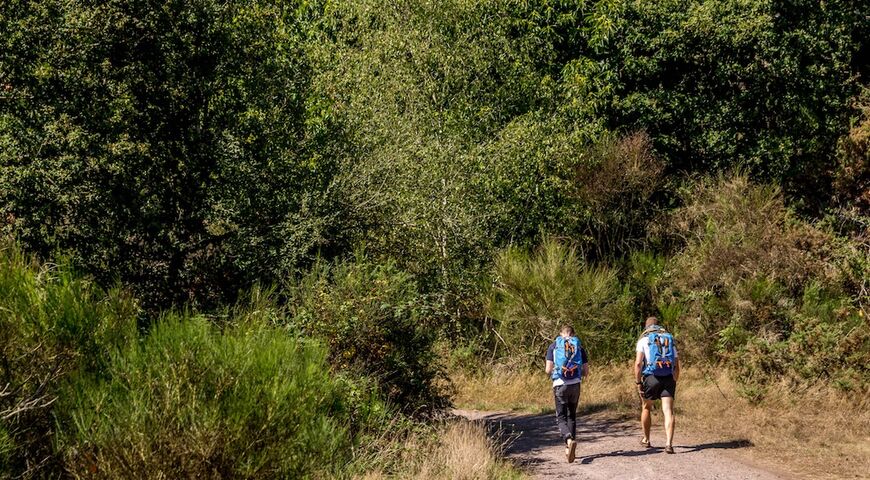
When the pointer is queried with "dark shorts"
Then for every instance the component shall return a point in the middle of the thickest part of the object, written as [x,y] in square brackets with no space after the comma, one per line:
[656,387]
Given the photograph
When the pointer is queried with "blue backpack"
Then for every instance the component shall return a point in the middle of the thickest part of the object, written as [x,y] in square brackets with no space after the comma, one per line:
[566,358]
[661,353]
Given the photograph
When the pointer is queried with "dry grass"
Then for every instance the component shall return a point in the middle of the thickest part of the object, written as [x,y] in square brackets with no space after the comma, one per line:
[532,392]
[815,433]
[807,432]
[462,450]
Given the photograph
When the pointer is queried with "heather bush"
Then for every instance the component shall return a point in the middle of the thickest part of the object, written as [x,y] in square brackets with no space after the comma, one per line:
[616,183]
[735,229]
[852,176]
[769,295]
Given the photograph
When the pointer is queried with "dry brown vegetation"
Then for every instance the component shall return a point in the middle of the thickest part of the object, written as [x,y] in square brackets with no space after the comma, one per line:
[460,450]
[734,229]
[805,433]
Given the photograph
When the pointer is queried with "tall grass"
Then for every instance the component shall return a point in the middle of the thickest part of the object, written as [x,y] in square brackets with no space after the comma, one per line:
[455,450]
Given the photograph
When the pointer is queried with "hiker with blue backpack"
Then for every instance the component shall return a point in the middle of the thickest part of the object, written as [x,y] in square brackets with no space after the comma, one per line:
[567,365]
[656,371]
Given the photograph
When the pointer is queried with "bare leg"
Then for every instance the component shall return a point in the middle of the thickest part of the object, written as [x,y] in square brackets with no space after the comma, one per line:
[646,418]
[668,411]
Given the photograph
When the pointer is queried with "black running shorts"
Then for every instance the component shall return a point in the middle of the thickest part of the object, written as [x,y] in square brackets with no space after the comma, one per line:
[656,387]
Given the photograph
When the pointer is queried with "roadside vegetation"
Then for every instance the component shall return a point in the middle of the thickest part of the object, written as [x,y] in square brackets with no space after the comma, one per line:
[242,394]
[277,239]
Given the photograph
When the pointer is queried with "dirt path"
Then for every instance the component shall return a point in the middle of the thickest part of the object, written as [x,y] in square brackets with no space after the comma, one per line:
[609,448]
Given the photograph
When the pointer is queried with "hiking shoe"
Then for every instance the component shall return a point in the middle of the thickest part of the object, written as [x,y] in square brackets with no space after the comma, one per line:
[645,443]
[570,450]
[669,449]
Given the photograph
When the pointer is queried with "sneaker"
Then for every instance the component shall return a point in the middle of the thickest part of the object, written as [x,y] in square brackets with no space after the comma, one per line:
[645,443]
[569,451]
[669,449]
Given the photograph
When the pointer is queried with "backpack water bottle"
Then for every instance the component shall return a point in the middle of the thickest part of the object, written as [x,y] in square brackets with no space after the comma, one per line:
[661,353]
[566,358]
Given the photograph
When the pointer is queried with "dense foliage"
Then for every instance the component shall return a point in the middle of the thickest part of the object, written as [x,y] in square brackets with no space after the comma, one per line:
[193,148]
[85,394]
[376,323]
[52,324]
[403,178]
[162,144]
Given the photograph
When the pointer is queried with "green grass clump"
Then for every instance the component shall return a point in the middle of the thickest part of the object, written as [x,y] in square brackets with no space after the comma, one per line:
[535,293]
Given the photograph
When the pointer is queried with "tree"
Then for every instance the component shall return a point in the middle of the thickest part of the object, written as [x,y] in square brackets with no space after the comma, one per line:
[163,143]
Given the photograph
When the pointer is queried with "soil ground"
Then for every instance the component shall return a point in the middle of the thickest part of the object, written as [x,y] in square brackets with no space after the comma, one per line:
[609,448]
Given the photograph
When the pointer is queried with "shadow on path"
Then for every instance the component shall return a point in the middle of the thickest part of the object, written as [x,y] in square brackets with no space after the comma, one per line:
[742,443]
[680,449]
[523,434]
[619,453]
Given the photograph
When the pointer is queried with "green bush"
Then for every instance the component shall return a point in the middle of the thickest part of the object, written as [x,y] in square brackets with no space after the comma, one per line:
[193,401]
[535,293]
[616,182]
[238,395]
[734,229]
[852,177]
[376,323]
[53,324]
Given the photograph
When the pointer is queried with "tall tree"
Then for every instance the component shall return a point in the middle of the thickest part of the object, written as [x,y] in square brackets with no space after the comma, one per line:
[162,142]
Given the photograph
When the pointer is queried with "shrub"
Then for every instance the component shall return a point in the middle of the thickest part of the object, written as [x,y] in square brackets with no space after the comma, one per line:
[767,294]
[616,181]
[53,324]
[83,394]
[734,230]
[852,178]
[535,293]
[192,401]
[376,323]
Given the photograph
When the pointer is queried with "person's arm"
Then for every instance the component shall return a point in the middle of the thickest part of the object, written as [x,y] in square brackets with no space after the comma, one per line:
[584,370]
[638,368]
[676,369]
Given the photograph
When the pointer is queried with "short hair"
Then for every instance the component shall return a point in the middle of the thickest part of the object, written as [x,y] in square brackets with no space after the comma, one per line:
[650,321]
[567,330]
